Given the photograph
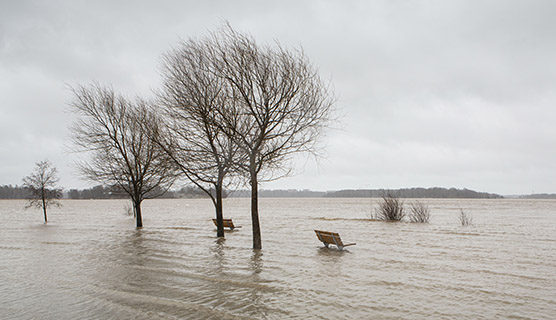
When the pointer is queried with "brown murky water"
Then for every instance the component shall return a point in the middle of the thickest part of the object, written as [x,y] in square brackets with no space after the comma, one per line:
[89,262]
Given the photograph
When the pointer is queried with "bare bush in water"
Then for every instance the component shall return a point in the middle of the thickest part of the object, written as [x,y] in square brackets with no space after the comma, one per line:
[420,212]
[373,215]
[465,217]
[391,208]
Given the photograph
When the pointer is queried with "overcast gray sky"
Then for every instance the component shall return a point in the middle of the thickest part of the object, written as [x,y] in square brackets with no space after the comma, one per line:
[433,93]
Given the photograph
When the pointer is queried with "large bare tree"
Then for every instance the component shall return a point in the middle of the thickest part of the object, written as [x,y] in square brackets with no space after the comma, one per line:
[41,185]
[277,105]
[110,130]
[192,94]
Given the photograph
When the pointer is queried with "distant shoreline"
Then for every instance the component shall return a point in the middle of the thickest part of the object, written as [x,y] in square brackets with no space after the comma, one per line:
[442,193]
[99,192]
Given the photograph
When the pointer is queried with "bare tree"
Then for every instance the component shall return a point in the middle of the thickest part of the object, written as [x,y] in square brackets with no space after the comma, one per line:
[110,131]
[280,106]
[192,94]
[41,185]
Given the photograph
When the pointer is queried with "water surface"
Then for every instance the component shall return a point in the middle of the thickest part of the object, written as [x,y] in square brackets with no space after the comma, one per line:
[89,262]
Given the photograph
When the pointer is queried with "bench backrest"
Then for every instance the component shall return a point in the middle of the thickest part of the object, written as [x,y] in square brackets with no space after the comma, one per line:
[227,223]
[329,237]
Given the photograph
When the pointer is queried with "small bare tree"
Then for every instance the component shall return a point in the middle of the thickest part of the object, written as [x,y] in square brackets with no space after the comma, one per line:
[391,208]
[278,106]
[420,212]
[192,96]
[110,130]
[41,185]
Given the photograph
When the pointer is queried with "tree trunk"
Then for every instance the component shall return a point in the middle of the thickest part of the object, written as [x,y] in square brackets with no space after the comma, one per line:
[257,244]
[219,211]
[138,218]
[44,208]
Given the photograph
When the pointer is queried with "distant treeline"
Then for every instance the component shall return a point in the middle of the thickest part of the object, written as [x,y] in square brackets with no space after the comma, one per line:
[538,196]
[290,193]
[414,193]
[101,192]
[96,192]
[13,192]
[375,193]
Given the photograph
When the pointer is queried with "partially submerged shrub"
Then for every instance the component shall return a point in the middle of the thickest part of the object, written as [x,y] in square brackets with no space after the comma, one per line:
[128,210]
[373,216]
[465,217]
[420,212]
[391,208]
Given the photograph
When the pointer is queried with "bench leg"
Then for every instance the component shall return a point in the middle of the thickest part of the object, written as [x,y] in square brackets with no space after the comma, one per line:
[325,244]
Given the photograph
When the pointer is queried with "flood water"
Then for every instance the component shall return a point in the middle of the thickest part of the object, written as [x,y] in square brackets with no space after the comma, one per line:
[89,262]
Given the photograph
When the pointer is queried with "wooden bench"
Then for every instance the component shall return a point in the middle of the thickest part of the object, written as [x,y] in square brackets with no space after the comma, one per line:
[329,238]
[227,223]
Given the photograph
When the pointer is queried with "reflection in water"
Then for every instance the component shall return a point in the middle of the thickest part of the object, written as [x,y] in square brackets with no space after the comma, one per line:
[329,261]
[231,289]
[218,279]
[257,261]
[134,246]
[256,296]
[219,256]
[332,252]
[125,266]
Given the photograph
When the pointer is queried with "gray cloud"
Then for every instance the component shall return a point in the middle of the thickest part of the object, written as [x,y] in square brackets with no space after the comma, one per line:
[434,93]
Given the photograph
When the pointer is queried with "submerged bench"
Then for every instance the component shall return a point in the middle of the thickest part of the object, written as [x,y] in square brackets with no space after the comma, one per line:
[329,238]
[227,224]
